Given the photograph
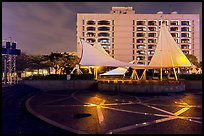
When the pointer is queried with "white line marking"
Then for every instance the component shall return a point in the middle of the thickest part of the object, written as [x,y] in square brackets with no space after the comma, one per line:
[141,125]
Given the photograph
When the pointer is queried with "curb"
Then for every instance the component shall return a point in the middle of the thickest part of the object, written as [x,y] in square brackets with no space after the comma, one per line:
[49,120]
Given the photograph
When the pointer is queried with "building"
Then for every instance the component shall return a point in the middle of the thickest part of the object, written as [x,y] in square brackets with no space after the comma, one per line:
[128,36]
[9,54]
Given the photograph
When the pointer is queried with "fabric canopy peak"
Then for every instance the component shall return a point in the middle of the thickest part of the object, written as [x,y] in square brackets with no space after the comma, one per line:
[167,53]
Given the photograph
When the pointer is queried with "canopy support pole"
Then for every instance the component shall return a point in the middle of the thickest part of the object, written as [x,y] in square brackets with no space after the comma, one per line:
[161,74]
[134,75]
[143,75]
[175,74]
[96,72]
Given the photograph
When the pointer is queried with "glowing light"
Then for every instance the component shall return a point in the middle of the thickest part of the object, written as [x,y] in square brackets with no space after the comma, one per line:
[92,104]
[182,59]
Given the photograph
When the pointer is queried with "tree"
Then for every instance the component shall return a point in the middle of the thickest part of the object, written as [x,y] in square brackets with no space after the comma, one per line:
[31,62]
[63,62]
[193,59]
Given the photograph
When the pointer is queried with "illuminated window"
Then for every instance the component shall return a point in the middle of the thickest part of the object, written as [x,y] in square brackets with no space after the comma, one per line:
[140,46]
[90,34]
[104,40]
[141,29]
[140,40]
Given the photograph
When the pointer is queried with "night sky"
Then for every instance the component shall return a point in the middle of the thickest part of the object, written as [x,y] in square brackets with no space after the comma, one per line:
[43,27]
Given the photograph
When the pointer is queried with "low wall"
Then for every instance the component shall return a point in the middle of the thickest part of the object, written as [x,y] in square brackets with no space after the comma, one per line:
[47,85]
[193,85]
[134,87]
[142,87]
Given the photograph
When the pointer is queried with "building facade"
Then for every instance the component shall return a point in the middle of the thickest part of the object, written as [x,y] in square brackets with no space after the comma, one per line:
[128,36]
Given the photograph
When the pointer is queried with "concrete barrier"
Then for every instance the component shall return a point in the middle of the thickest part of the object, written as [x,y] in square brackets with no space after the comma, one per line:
[47,85]
[148,87]
[142,87]
[194,85]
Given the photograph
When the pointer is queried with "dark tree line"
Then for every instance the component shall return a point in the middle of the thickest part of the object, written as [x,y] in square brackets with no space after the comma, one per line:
[61,62]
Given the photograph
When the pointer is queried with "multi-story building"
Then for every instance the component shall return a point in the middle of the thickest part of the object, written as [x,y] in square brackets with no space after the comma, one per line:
[128,36]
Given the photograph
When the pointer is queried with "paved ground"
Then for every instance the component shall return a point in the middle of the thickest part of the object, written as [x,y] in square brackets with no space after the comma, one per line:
[98,112]
[15,117]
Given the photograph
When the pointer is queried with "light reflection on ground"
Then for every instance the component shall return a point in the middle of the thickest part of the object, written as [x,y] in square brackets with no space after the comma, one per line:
[123,113]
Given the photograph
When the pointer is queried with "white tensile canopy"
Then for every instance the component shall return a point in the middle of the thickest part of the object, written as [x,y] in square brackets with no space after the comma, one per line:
[118,71]
[91,56]
[167,53]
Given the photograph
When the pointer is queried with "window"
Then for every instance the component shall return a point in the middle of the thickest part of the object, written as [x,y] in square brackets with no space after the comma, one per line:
[151,46]
[140,34]
[140,58]
[90,23]
[141,29]
[185,23]
[151,34]
[141,52]
[173,23]
[140,40]
[90,40]
[152,28]
[103,22]
[90,34]
[151,40]
[185,41]
[103,28]
[186,52]
[174,34]
[103,35]
[185,29]
[140,22]
[174,29]
[184,46]
[151,22]
[90,28]
[150,52]
[140,46]
[184,35]
[104,40]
